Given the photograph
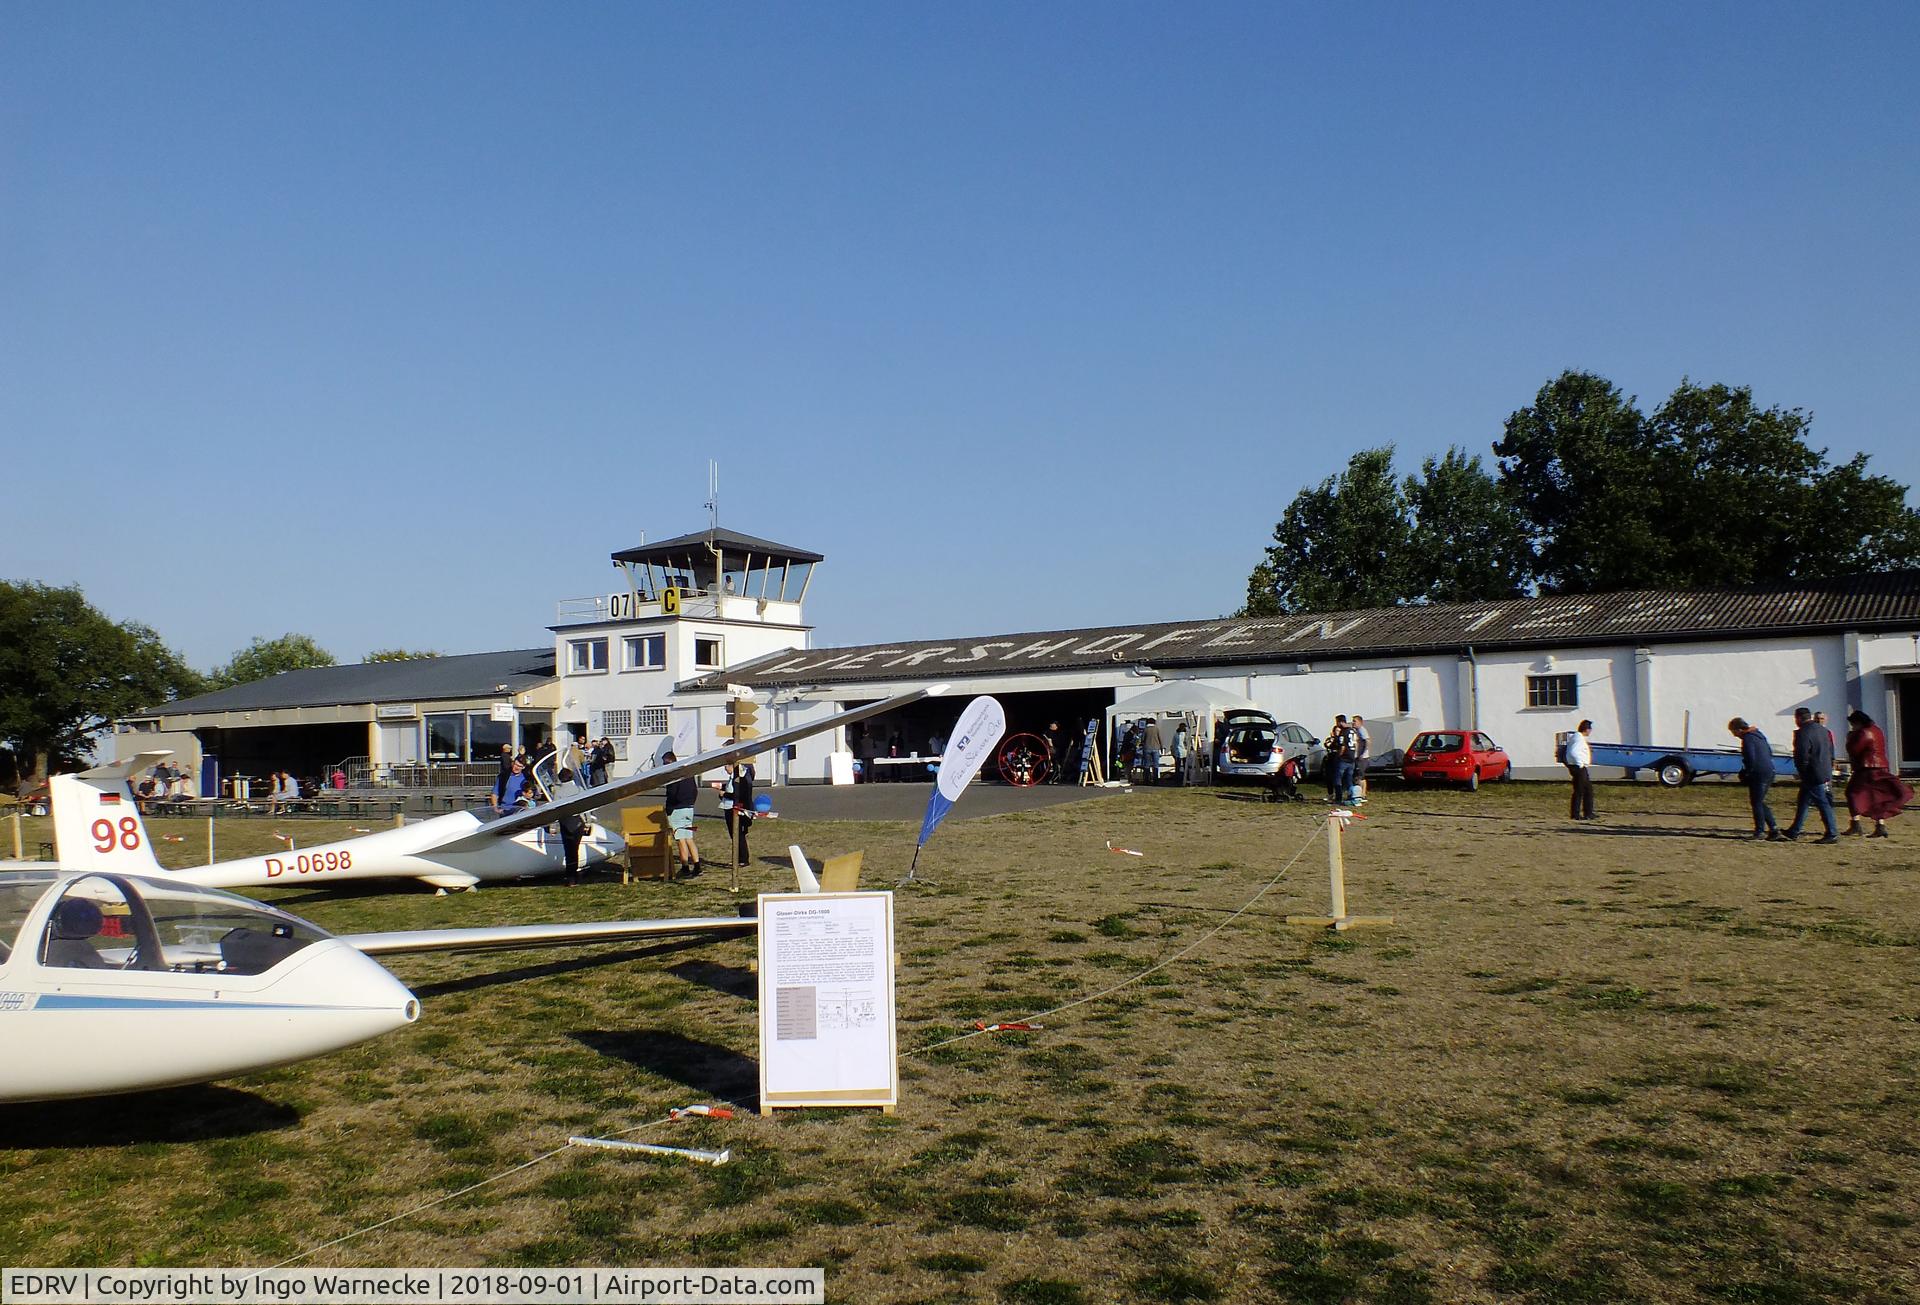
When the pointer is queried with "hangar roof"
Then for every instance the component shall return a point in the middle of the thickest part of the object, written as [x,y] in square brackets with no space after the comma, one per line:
[728,541]
[467,675]
[1643,615]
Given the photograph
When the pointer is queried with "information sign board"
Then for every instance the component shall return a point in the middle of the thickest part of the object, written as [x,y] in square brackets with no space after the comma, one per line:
[827,1034]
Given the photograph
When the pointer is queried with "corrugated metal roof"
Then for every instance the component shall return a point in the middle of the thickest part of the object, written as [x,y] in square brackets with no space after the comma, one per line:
[467,675]
[1646,615]
[728,541]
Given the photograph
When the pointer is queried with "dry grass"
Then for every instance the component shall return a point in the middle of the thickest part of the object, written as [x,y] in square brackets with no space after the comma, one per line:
[1636,1061]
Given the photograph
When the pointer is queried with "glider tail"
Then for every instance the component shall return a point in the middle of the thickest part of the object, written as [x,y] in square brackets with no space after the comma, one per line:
[96,822]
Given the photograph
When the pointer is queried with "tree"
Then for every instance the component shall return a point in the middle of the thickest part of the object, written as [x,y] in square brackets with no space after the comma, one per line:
[264,657]
[1366,539]
[1345,543]
[1580,465]
[1471,543]
[66,671]
[398,655]
[1744,499]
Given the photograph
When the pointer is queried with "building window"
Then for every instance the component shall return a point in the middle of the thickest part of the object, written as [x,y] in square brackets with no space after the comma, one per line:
[444,741]
[616,724]
[485,736]
[1402,697]
[706,652]
[586,655]
[650,720]
[645,652]
[1553,691]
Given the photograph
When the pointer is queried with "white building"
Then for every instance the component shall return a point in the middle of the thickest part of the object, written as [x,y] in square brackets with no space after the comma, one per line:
[1655,667]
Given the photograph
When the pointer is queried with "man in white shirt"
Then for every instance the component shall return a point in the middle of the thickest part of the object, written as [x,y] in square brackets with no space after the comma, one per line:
[1579,759]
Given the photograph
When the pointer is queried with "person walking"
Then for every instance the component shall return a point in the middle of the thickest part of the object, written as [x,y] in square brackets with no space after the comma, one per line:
[1756,772]
[1579,763]
[680,797]
[736,795]
[1874,792]
[1813,763]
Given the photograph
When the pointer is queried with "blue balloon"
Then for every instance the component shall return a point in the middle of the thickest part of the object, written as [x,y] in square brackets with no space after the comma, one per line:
[763,802]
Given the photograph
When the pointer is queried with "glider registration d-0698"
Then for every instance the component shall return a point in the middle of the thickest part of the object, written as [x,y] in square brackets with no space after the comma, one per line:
[97,826]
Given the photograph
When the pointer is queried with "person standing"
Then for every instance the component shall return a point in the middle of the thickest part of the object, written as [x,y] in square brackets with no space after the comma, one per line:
[680,797]
[1756,772]
[1150,747]
[1182,749]
[1813,763]
[573,825]
[737,797]
[1873,790]
[1339,762]
[513,793]
[1362,743]
[1579,762]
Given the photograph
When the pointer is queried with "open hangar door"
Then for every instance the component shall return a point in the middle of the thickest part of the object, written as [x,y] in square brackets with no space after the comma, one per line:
[1057,715]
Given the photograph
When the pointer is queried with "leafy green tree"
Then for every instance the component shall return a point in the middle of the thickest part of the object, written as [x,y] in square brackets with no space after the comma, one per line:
[66,671]
[1344,543]
[1582,467]
[399,655]
[1744,499]
[1470,541]
[265,657]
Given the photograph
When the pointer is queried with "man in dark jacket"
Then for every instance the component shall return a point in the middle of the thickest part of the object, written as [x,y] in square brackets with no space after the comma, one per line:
[1756,772]
[680,797]
[1813,762]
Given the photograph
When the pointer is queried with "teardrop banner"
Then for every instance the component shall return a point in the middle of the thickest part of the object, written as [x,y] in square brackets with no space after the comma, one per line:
[974,737]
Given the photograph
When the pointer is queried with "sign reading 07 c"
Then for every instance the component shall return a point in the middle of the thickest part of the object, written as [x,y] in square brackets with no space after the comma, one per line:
[670,601]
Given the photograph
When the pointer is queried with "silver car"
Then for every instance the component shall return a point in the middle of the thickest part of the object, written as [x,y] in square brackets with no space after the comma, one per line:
[1253,745]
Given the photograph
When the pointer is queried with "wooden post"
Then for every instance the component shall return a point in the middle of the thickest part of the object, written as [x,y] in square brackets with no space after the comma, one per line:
[1337,883]
[209,840]
[19,850]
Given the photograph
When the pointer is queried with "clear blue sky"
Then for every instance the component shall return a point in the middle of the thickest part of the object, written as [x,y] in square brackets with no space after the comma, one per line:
[387,323]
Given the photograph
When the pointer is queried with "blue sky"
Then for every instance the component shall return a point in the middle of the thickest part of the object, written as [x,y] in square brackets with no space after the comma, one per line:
[388,323]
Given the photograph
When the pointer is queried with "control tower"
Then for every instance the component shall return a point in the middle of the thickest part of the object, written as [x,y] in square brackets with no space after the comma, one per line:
[683,608]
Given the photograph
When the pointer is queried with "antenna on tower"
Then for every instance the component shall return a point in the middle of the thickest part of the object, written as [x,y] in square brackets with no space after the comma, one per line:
[713,495]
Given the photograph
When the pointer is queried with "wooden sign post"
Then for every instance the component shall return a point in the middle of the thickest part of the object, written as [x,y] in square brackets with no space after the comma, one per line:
[1337,884]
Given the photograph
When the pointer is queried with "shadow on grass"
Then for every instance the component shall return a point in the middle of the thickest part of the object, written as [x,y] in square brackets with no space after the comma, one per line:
[1603,829]
[189,1114]
[728,980]
[707,1068]
[476,982]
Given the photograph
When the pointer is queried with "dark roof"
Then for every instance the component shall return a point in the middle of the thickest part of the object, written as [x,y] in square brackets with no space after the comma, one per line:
[727,541]
[1638,616]
[468,675]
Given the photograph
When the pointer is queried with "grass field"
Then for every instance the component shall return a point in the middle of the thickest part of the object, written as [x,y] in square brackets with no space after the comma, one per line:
[1637,1061]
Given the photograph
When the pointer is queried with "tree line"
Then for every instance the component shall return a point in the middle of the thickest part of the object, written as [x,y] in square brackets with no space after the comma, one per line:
[67,671]
[1589,494]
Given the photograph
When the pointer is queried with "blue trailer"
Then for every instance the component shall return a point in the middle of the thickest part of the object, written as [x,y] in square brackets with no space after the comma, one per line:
[1676,766]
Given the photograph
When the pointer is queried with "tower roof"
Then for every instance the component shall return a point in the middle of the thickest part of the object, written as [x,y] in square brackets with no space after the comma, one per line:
[727,541]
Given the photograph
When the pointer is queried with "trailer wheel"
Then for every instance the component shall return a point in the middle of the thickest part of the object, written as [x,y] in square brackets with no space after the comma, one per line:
[1672,772]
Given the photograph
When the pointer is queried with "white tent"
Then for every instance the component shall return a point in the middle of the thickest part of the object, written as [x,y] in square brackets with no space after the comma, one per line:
[1176,700]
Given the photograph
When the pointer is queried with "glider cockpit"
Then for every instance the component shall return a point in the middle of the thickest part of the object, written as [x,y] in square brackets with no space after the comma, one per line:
[117,922]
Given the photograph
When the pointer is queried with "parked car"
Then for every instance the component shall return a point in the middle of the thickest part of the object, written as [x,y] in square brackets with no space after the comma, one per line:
[1455,757]
[1252,745]
[39,801]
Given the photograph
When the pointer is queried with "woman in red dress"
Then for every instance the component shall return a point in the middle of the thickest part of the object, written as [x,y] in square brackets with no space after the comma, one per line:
[1874,792]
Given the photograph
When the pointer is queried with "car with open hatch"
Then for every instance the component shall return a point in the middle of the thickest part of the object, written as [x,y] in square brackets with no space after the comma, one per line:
[1253,745]
[1455,757]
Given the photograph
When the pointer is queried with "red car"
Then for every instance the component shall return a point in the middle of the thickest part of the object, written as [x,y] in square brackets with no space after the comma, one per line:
[1455,757]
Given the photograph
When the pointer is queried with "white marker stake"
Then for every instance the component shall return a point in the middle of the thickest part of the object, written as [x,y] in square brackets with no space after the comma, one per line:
[648,1148]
